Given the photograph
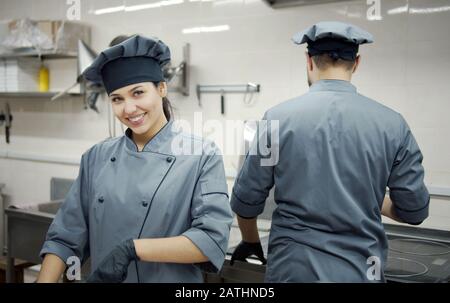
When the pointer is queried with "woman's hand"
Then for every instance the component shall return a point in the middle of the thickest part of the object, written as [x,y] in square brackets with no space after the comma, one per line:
[114,268]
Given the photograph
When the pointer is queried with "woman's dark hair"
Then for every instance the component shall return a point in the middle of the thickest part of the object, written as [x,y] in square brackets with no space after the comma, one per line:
[118,39]
[167,107]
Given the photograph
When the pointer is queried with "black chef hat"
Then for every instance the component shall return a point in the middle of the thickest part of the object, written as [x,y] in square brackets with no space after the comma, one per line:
[337,39]
[137,59]
[334,48]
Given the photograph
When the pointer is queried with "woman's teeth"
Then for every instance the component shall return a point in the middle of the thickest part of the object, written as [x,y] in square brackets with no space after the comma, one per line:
[136,120]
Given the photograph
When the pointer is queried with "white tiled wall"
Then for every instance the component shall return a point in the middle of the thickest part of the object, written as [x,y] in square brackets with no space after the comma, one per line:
[407,68]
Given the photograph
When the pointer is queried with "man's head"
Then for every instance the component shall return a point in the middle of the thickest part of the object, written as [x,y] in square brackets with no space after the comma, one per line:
[332,51]
[326,67]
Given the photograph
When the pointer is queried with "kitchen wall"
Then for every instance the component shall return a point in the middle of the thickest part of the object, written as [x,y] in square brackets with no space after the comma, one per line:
[406,69]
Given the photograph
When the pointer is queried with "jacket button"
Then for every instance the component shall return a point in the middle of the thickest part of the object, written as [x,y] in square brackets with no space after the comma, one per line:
[113,159]
[144,203]
[169,159]
[101,199]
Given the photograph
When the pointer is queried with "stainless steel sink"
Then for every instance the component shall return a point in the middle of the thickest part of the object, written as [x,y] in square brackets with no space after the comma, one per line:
[50,207]
[26,231]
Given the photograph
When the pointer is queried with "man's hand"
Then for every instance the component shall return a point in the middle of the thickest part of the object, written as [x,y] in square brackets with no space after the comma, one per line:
[114,268]
[245,250]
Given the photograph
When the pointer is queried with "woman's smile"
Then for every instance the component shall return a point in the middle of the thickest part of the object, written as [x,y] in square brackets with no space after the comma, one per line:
[136,120]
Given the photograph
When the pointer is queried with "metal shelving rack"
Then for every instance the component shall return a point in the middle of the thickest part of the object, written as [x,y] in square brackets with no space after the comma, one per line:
[46,95]
[40,55]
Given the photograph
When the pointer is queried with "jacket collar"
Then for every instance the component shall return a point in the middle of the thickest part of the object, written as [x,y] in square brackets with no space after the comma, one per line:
[158,143]
[332,85]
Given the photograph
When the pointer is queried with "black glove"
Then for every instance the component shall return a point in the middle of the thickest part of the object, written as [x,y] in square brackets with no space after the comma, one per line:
[114,268]
[245,250]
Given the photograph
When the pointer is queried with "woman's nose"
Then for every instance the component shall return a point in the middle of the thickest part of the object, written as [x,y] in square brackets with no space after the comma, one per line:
[130,107]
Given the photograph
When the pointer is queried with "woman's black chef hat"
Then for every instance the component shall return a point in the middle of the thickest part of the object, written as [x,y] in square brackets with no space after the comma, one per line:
[137,59]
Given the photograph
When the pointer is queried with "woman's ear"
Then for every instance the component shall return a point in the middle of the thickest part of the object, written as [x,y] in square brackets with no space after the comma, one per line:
[162,89]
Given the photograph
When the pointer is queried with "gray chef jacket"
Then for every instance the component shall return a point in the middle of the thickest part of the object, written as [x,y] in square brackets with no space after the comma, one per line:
[175,186]
[338,151]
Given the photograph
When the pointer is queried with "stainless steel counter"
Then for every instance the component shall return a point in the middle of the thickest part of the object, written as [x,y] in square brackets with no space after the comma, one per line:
[415,255]
[27,229]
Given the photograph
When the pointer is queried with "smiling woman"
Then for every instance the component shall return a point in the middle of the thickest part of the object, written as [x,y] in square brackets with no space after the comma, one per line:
[138,207]
[141,108]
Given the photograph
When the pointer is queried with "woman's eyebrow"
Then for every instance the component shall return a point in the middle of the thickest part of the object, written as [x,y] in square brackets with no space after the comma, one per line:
[134,88]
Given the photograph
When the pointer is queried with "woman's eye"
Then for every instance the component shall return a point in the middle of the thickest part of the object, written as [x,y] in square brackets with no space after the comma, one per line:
[137,93]
[116,99]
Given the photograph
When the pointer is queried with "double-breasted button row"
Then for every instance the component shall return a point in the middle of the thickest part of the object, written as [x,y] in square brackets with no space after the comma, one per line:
[168,159]
[101,200]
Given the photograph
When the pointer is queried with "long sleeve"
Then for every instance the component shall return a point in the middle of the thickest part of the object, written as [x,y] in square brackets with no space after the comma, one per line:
[211,213]
[68,234]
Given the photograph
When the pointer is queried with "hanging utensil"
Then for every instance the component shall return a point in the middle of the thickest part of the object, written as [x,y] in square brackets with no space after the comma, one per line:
[222,102]
[249,88]
[6,117]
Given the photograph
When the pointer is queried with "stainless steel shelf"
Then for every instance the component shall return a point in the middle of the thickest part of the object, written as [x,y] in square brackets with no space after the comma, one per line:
[33,94]
[43,55]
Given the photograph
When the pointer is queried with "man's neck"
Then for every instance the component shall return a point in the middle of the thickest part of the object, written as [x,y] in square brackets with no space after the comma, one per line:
[335,74]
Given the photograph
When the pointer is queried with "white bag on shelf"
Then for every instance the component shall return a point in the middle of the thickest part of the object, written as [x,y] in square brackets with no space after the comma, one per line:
[25,34]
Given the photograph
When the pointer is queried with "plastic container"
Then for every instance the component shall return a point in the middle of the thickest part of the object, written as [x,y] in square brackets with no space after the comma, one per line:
[44,79]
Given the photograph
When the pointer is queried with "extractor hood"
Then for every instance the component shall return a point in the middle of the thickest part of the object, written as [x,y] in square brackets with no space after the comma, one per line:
[291,3]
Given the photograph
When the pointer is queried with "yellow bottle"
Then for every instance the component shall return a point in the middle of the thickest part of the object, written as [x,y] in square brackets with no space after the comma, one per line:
[44,79]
